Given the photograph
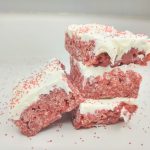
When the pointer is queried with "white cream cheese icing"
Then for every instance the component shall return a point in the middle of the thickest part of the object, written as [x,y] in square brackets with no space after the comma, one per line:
[125,114]
[91,71]
[90,105]
[108,39]
[50,76]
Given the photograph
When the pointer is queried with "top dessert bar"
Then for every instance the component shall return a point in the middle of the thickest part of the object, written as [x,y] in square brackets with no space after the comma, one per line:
[101,45]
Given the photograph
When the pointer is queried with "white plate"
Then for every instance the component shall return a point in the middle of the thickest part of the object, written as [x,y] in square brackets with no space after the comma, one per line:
[28,41]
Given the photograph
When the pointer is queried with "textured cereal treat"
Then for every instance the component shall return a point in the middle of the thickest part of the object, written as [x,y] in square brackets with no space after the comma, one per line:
[105,82]
[91,112]
[42,98]
[101,45]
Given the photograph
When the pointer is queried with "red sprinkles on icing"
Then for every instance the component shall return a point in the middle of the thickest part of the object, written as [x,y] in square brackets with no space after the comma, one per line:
[81,41]
[33,81]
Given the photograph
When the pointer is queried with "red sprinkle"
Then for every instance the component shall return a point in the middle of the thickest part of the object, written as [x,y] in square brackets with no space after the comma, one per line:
[50,141]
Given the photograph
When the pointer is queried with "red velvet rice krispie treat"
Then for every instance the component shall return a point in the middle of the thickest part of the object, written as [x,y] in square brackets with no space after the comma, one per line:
[42,98]
[104,111]
[101,45]
[105,82]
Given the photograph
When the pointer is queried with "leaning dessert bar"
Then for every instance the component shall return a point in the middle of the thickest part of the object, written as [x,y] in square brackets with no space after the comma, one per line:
[101,45]
[42,98]
[105,82]
[103,111]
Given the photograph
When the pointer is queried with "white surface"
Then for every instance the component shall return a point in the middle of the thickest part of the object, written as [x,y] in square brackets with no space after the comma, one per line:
[109,39]
[91,106]
[26,42]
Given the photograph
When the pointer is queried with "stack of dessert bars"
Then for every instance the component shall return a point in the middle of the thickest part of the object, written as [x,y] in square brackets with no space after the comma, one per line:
[101,88]
[102,59]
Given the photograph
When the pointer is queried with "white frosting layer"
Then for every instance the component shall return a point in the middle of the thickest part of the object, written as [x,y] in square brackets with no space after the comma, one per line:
[50,77]
[90,105]
[125,114]
[91,71]
[108,39]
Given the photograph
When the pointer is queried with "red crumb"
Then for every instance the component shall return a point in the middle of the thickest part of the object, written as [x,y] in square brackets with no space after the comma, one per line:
[30,138]
[129,128]
[50,141]
[60,125]
[1,113]
[57,130]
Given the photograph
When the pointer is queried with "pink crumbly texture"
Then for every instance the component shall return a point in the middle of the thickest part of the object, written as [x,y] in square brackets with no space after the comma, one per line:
[48,107]
[103,116]
[83,50]
[115,83]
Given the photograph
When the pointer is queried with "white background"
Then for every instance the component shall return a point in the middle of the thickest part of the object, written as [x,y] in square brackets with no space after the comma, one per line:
[32,32]
[135,8]
[27,41]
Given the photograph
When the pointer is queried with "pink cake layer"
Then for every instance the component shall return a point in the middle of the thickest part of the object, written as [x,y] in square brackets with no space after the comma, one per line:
[103,116]
[116,83]
[83,50]
[49,105]
[45,111]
